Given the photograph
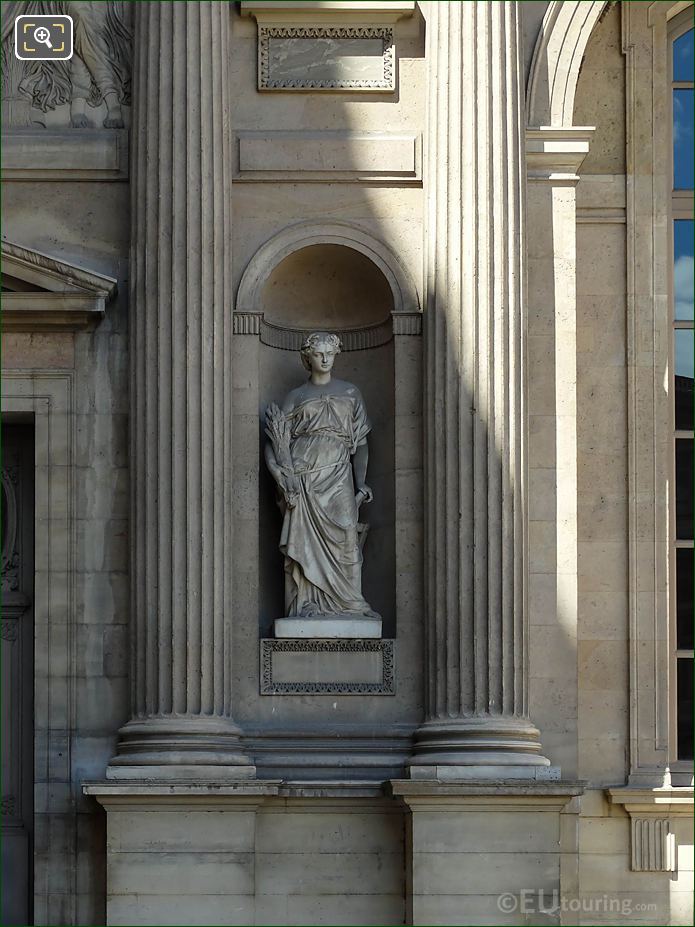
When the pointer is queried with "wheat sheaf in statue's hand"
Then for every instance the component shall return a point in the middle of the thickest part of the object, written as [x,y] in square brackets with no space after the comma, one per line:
[279,431]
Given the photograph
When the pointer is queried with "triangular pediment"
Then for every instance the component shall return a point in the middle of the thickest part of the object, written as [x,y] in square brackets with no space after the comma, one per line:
[43,293]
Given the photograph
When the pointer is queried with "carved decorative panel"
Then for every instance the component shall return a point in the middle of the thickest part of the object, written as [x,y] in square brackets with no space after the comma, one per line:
[326,58]
[305,667]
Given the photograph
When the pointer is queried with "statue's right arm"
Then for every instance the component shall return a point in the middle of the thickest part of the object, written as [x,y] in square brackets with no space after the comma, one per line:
[272,463]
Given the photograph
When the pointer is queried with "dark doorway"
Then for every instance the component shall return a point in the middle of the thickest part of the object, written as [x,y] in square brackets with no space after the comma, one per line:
[17,706]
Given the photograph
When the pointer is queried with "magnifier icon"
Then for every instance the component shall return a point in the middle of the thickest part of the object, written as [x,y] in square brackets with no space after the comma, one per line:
[42,34]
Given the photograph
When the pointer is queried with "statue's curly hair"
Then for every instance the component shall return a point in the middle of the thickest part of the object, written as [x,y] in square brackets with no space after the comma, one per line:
[316,338]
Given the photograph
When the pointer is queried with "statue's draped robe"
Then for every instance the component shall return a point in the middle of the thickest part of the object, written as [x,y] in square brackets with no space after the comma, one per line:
[323,559]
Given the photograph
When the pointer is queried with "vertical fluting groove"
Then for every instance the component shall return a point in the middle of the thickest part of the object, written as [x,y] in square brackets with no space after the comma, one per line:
[499,274]
[208,642]
[433,589]
[519,373]
[481,250]
[223,617]
[151,234]
[177,535]
[430,333]
[475,175]
[513,423]
[207,367]
[467,390]
[162,465]
[454,315]
[180,344]
[440,413]
[451,416]
[193,318]
[137,396]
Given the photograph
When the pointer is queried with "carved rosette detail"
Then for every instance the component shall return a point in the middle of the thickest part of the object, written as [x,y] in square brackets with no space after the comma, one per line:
[385,647]
[266,33]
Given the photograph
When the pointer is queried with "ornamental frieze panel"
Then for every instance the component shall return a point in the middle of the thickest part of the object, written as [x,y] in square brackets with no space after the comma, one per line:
[90,90]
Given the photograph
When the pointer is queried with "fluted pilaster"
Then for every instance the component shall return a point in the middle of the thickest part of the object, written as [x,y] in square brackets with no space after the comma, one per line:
[181,396]
[476,701]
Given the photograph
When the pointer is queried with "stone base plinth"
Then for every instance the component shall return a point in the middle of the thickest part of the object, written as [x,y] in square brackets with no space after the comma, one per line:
[176,773]
[350,628]
[217,855]
[177,747]
[488,853]
[475,773]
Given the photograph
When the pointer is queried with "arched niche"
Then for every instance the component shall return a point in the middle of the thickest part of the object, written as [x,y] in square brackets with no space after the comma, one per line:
[337,278]
[303,235]
[326,286]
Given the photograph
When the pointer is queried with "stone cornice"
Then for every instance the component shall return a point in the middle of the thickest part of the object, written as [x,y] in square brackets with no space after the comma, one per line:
[652,838]
[245,795]
[50,312]
[50,273]
[445,796]
[324,11]
[50,294]
[661,801]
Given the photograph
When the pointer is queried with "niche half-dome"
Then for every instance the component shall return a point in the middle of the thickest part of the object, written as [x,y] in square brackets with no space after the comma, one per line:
[326,286]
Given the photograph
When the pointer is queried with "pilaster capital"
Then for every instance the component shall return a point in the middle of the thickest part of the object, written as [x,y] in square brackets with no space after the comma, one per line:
[556,154]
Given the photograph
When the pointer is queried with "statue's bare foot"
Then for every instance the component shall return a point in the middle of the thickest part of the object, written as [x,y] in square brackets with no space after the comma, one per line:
[114,119]
[80,121]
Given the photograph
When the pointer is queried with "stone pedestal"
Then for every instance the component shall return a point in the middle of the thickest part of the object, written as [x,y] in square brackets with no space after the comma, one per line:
[180,387]
[325,628]
[252,853]
[181,854]
[489,853]
[476,637]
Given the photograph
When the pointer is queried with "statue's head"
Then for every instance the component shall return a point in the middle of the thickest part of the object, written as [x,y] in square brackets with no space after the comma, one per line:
[319,350]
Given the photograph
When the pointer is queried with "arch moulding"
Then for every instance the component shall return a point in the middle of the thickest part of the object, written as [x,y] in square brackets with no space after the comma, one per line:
[557,59]
[302,235]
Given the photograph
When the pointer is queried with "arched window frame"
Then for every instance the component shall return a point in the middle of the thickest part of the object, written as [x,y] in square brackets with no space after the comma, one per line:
[682,201]
[647,32]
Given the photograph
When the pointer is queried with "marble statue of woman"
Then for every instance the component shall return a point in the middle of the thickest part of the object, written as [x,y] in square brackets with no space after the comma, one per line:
[317,453]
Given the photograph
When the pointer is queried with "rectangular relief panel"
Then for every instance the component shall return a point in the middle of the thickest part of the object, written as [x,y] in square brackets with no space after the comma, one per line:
[85,154]
[326,58]
[328,156]
[327,667]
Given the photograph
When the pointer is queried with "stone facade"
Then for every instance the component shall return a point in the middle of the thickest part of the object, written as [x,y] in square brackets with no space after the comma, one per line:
[464,193]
